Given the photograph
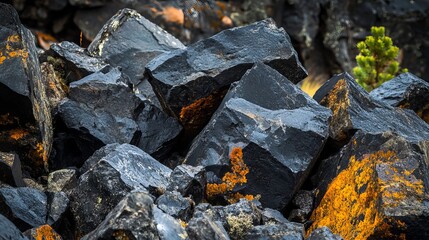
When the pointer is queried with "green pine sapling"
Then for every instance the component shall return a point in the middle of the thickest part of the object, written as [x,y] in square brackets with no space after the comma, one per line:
[377,60]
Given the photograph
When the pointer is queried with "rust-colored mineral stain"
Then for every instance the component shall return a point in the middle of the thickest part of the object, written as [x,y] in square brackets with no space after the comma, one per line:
[351,205]
[46,232]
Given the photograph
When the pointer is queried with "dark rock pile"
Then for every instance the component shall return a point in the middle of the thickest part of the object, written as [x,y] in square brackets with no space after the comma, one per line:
[140,137]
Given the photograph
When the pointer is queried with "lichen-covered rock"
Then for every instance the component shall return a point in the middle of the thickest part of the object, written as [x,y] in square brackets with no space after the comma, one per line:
[44,232]
[25,207]
[9,230]
[203,227]
[271,216]
[169,228]
[22,93]
[130,41]
[323,233]
[120,170]
[10,169]
[56,88]
[375,188]
[63,180]
[353,109]
[189,181]
[175,205]
[132,218]
[405,91]
[73,62]
[303,204]
[292,231]
[280,129]
[191,82]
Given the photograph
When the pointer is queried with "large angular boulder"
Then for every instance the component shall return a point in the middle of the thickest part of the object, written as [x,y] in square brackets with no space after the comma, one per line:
[132,218]
[375,188]
[10,169]
[130,41]
[280,130]
[353,109]
[22,93]
[8,230]
[119,170]
[405,91]
[191,82]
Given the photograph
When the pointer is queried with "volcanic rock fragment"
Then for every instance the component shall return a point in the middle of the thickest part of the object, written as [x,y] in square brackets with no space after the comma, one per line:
[168,227]
[280,129]
[25,207]
[22,93]
[191,82]
[375,188]
[132,218]
[122,169]
[175,205]
[62,180]
[353,109]
[10,169]
[202,226]
[291,231]
[189,181]
[44,232]
[58,204]
[130,41]
[323,233]
[302,206]
[405,91]
[8,230]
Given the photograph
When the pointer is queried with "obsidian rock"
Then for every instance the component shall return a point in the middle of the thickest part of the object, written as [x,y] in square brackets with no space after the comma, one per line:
[9,230]
[203,227]
[376,187]
[323,233]
[270,216]
[25,207]
[276,231]
[191,82]
[168,226]
[405,91]
[120,170]
[175,205]
[280,130]
[189,181]
[130,41]
[353,109]
[58,206]
[132,218]
[63,180]
[303,204]
[10,169]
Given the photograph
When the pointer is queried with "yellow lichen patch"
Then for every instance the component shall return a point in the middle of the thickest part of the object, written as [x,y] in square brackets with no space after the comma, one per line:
[183,223]
[238,173]
[46,232]
[17,133]
[350,206]
[338,101]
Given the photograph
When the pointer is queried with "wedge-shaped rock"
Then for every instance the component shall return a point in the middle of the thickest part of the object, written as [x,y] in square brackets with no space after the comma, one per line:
[9,230]
[132,218]
[405,91]
[119,170]
[25,207]
[375,188]
[353,109]
[22,92]
[189,181]
[130,41]
[190,83]
[10,169]
[280,129]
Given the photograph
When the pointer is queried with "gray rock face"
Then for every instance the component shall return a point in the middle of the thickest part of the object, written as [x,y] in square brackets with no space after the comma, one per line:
[77,62]
[405,91]
[202,227]
[130,41]
[122,169]
[62,180]
[8,230]
[191,82]
[25,207]
[323,233]
[10,169]
[303,204]
[189,181]
[58,205]
[175,205]
[168,226]
[279,128]
[132,218]
[353,109]
[292,231]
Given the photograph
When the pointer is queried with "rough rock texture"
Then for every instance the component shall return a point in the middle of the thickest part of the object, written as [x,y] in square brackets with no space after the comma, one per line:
[189,181]
[405,91]
[74,61]
[303,204]
[279,128]
[353,109]
[56,88]
[58,206]
[44,232]
[375,188]
[63,180]
[271,216]
[173,204]
[203,227]
[168,227]
[10,169]
[120,170]
[22,93]
[132,218]
[292,231]
[25,207]
[8,230]
[130,41]
[190,83]
[323,233]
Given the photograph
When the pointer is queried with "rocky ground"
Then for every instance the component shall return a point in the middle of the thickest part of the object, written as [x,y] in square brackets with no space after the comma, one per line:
[139,134]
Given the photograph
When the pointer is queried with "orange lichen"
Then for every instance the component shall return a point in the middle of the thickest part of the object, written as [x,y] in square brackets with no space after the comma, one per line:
[13,49]
[46,232]
[188,113]
[238,173]
[17,133]
[351,205]
[45,40]
[170,14]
